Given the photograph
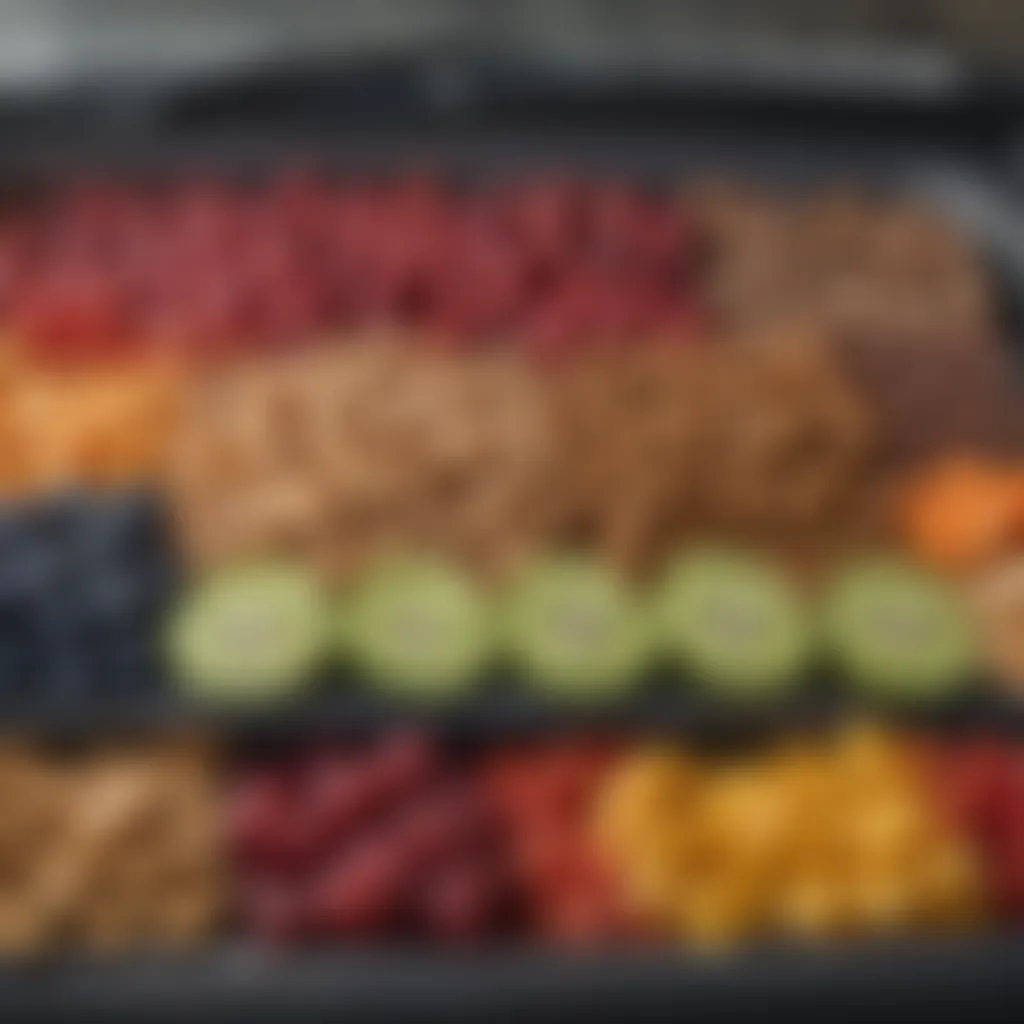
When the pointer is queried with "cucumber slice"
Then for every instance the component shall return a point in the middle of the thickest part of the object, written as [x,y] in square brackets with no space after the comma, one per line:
[249,633]
[899,633]
[575,630]
[735,623]
[418,628]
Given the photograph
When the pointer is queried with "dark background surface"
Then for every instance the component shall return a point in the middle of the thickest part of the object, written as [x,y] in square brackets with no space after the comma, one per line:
[41,40]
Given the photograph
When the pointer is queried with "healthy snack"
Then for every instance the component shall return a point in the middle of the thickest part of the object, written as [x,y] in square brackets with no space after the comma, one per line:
[789,443]
[816,840]
[996,596]
[978,783]
[734,623]
[418,628]
[963,513]
[303,456]
[392,840]
[109,847]
[628,428]
[901,296]
[84,583]
[862,266]
[255,632]
[212,268]
[544,794]
[931,397]
[760,441]
[103,427]
[575,631]
[897,632]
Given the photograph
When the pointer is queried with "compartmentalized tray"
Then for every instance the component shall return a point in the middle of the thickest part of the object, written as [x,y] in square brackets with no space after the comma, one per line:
[500,716]
[940,148]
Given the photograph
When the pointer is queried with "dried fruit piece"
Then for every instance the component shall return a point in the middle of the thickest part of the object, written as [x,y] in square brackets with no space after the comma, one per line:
[962,513]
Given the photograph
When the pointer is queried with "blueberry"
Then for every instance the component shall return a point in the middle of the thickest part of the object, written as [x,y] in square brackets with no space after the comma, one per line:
[15,612]
[54,615]
[114,597]
[128,666]
[125,526]
[57,658]
[35,571]
[14,528]
[55,520]
[57,629]
[66,675]
[83,580]
[133,602]
[15,669]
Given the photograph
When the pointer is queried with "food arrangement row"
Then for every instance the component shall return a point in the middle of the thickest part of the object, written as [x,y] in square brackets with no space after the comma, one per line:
[215,265]
[564,842]
[556,262]
[728,623]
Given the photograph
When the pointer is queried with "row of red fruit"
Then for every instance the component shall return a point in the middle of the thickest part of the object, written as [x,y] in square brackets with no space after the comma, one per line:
[400,839]
[210,265]
[981,783]
[363,843]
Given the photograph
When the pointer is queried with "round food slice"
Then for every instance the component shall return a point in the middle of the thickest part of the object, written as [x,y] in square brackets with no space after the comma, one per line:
[249,633]
[418,628]
[575,630]
[735,622]
[898,632]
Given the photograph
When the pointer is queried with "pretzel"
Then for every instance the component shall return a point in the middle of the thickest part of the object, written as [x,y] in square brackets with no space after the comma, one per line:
[859,264]
[108,847]
[364,449]
[789,440]
[761,440]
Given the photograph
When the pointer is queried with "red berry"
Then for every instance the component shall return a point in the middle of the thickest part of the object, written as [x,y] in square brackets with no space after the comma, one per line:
[405,763]
[547,218]
[444,825]
[340,795]
[581,918]
[73,312]
[975,784]
[275,912]
[262,822]
[458,904]
[360,893]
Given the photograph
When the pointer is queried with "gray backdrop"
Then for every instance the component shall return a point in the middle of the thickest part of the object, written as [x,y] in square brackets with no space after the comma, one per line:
[43,38]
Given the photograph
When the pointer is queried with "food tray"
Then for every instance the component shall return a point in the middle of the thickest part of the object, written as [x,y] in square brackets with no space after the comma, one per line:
[943,144]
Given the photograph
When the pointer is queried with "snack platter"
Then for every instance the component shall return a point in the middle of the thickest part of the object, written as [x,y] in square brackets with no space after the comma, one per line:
[256,961]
